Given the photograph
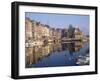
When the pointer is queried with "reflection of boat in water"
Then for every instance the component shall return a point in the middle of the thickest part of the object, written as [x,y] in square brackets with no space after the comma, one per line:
[83,60]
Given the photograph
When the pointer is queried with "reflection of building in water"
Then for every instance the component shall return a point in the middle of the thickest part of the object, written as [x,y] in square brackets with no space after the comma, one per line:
[57,47]
[45,50]
[29,56]
[78,46]
[37,53]
[33,55]
[72,47]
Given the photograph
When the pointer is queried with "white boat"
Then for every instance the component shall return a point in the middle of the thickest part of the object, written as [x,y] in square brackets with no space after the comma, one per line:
[82,60]
[35,43]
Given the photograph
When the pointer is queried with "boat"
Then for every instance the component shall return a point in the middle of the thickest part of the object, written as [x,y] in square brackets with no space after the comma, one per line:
[32,44]
[83,60]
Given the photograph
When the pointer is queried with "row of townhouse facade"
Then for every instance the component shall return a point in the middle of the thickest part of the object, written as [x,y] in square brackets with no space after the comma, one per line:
[37,31]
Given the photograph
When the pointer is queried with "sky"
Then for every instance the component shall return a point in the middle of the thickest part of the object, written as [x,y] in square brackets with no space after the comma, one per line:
[61,20]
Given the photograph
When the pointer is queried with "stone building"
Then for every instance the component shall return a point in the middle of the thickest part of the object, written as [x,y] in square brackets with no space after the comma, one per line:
[40,33]
[45,31]
[50,34]
[58,34]
[64,33]
[28,29]
[37,30]
[78,33]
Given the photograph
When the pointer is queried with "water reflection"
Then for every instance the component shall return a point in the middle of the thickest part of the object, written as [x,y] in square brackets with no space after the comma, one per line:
[57,54]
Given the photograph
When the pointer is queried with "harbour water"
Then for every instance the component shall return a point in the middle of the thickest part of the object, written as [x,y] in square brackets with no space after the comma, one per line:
[57,54]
